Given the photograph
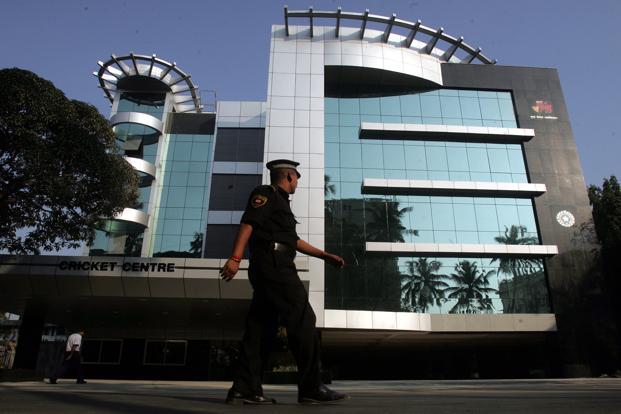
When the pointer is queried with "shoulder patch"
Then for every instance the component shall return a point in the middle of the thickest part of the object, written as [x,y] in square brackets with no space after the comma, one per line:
[258,200]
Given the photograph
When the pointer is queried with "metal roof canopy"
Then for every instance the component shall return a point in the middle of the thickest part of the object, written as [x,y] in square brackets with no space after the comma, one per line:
[390,22]
[119,68]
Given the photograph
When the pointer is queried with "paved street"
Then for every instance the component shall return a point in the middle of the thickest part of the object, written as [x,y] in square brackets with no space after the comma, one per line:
[503,396]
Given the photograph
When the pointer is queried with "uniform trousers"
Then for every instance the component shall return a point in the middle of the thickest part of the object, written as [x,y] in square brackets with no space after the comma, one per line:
[279,295]
[72,362]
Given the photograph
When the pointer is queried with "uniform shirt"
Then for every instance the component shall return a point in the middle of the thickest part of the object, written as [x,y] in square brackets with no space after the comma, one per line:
[269,214]
[74,339]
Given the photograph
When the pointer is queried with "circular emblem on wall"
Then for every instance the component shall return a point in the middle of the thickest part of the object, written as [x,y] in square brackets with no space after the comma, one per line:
[565,218]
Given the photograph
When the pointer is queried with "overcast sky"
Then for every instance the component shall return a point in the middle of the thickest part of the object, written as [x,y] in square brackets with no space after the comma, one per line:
[224,45]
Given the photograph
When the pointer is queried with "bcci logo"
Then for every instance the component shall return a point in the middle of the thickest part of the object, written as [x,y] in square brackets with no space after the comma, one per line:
[542,110]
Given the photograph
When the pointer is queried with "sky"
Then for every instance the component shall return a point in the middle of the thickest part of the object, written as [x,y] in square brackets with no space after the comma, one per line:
[224,45]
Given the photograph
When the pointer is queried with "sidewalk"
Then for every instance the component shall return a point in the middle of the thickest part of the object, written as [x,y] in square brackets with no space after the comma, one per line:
[598,395]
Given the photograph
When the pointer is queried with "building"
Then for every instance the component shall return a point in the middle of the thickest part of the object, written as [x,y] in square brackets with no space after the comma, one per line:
[451,186]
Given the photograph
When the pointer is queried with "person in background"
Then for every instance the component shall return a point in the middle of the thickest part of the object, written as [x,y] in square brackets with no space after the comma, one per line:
[72,361]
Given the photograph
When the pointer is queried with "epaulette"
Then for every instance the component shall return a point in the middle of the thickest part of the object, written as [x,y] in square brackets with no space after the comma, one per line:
[266,187]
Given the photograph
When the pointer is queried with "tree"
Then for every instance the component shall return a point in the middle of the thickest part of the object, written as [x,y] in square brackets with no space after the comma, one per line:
[422,287]
[472,289]
[60,170]
[517,267]
[606,202]
[384,221]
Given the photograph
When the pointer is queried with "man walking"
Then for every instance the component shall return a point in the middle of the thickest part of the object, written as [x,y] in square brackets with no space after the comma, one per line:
[72,360]
[268,228]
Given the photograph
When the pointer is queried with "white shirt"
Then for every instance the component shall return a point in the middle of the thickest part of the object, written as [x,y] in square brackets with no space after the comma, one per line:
[74,339]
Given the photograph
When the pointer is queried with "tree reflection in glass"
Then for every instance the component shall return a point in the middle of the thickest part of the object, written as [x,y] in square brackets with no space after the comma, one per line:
[525,274]
[471,290]
[384,221]
[422,287]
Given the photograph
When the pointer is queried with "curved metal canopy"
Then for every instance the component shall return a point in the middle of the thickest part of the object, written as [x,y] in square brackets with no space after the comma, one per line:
[186,97]
[414,28]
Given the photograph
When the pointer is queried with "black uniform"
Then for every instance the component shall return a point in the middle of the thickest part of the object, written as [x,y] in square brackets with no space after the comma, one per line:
[278,292]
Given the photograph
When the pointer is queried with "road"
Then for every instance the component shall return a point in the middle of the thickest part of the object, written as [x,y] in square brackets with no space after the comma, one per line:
[566,396]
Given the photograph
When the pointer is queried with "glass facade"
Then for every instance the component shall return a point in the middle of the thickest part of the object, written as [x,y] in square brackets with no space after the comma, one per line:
[136,141]
[444,107]
[383,282]
[441,285]
[183,183]
[151,103]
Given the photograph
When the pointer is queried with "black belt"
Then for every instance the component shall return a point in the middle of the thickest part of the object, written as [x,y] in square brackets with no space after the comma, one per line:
[275,246]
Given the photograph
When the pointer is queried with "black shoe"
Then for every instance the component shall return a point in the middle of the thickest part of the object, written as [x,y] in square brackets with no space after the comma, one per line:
[322,395]
[80,382]
[235,397]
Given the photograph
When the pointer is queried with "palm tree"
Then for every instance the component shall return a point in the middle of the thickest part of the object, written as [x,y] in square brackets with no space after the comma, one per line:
[384,221]
[328,188]
[196,245]
[422,287]
[516,267]
[472,289]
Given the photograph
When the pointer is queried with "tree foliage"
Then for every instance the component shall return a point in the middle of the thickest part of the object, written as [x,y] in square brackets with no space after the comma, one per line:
[606,202]
[422,287]
[60,171]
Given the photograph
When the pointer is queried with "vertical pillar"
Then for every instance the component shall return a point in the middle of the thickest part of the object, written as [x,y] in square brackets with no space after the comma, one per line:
[29,335]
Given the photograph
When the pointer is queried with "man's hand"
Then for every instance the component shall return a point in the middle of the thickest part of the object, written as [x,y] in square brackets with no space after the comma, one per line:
[334,260]
[230,269]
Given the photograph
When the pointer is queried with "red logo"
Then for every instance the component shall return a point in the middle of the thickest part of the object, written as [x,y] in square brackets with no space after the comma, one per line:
[542,107]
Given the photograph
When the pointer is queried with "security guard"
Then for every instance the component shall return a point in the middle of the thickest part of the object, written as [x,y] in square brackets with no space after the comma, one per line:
[268,227]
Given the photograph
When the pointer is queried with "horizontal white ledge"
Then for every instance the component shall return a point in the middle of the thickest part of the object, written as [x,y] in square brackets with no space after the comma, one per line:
[445,132]
[462,250]
[353,320]
[451,188]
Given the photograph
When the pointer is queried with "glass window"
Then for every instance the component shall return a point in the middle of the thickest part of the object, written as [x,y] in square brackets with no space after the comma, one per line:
[430,105]
[194,197]
[436,158]
[182,151]
[393,157]
[415,158]
[465,218]
[371,156]
[176,196]
[490,109]
[350,155]
[450,107]
[457,159]
[507,216]
[331,105]
[477,160]
[516,161]
[332,155]
[487,219]
[349,120]
[506,110]
[470,108]
[352,175]
[196,179]
[410,106]
[390,105]
[370,106]
[443,216]
[172,226]
[349,106]
[498,160]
